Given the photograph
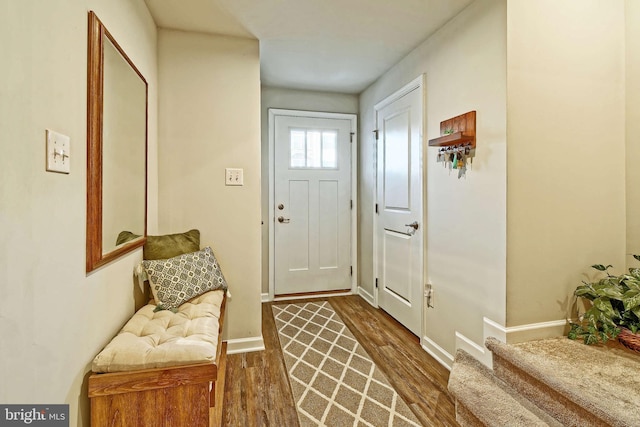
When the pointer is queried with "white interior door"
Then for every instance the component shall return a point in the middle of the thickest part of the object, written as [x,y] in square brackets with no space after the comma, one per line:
[399,225]
[312,198]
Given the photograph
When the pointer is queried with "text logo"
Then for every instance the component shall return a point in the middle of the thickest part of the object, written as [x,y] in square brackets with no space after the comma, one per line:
[34,415]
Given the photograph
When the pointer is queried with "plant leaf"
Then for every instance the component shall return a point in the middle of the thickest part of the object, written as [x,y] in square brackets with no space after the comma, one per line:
[586,291]
[635,272]
[590,339]
[601,267]
[631,300]
[603,305]
[573,332]
[610,292]
[637,257]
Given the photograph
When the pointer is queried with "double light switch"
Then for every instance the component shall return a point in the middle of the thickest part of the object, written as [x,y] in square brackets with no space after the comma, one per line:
[234,176]
[58,152]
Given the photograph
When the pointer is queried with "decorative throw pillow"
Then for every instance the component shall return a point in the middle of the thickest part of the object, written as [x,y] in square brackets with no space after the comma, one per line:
[178,279]
[171,245]
[126,236]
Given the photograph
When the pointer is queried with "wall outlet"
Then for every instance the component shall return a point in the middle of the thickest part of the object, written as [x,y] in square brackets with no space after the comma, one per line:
[58,152]
[428,294]
[234,176]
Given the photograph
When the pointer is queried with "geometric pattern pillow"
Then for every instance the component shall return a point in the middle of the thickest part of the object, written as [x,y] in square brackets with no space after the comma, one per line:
[178,279]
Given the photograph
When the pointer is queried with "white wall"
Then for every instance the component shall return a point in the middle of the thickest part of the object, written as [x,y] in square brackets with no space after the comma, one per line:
[209,120]
[465,65]
[566,162]
[291,99]
[55,318]
[632,14]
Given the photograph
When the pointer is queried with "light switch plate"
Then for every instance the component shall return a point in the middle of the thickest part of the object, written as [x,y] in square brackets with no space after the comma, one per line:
[234,176]
[58,152]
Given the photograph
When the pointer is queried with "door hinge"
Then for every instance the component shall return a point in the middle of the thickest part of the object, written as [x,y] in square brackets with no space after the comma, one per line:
[376,283]
[351,204]
[376,208]
[351,271]
[376,133]
[351,136]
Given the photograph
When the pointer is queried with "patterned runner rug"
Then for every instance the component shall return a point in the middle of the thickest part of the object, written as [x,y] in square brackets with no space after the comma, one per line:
[334,381]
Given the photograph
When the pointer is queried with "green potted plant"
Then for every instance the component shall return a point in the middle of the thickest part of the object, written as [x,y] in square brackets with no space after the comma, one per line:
[614,308]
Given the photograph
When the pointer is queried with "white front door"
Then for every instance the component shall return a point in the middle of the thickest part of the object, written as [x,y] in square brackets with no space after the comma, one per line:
[312,204]
[399,228]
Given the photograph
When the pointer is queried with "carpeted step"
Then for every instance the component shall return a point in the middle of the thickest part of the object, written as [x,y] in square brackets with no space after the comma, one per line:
[578,385]
[484,400]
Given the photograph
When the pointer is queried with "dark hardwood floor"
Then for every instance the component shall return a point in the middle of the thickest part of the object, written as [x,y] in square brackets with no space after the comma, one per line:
[257,391]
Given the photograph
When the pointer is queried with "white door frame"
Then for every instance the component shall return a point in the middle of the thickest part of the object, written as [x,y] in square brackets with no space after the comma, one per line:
[420,84]
[273,113]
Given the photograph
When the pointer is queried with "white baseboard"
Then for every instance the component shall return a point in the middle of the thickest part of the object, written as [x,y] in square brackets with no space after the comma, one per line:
[265,297]
[366,296]
[245,345]
[437,352]
[479,352]
[529,332]
[512,334]
[493,329]
[536,331]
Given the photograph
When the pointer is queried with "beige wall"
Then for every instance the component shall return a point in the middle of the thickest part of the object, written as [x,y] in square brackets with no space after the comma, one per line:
[55,318]
[465,64]
[632,14]
[291,99]
[566,132]
[566,163]
[209,120]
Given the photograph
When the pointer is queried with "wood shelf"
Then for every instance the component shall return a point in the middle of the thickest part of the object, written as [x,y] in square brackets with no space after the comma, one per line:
[464,131]
[451,139]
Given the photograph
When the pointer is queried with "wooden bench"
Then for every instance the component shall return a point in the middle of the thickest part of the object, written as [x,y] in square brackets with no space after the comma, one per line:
[183,395]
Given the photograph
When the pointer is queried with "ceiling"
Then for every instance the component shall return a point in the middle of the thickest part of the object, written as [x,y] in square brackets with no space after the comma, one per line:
[325,45]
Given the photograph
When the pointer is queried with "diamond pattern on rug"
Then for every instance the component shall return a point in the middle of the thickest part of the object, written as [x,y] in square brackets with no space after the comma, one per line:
[334,381]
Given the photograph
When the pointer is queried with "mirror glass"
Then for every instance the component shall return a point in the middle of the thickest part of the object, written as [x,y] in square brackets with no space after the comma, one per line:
[123,149]
[117,150]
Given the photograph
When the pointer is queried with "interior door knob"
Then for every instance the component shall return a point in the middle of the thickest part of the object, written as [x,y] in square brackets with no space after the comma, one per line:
[413,225]
[282,219]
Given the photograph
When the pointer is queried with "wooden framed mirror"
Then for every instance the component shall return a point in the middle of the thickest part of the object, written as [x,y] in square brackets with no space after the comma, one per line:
[116,150]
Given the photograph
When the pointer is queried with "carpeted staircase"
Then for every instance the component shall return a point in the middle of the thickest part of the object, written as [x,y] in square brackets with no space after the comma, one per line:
[553,382]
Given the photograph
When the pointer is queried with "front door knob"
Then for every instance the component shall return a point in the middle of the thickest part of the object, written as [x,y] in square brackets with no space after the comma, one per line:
[282,220]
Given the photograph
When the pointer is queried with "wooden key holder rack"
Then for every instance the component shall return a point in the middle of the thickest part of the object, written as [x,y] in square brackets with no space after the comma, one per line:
[457,143]
[459,131]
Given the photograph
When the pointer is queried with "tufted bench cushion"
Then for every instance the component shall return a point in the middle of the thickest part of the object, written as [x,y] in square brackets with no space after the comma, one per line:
[164,338]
